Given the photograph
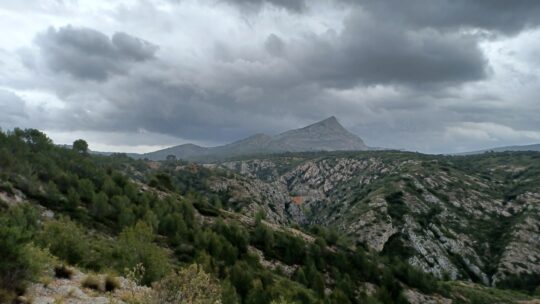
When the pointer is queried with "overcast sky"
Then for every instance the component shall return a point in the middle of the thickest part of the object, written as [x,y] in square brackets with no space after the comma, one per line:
[138,75]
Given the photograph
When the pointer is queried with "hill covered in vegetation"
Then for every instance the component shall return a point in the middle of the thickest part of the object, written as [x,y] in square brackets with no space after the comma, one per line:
[191,234]
[471,218]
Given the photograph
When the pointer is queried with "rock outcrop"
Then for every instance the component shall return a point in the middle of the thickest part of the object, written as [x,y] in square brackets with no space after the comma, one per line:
[72,291]
[449,222]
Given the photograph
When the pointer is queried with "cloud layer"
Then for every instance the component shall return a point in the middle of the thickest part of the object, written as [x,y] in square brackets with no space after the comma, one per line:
[89,54]
[434,76]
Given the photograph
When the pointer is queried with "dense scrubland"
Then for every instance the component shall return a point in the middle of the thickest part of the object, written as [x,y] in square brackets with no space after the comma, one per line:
[163,226]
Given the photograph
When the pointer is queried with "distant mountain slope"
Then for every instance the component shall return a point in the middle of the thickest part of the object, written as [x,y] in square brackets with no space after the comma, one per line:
[326,135]
[471,218]
[534,147]
[186,151]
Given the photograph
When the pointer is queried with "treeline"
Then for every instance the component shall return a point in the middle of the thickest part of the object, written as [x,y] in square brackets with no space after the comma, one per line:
[162,229]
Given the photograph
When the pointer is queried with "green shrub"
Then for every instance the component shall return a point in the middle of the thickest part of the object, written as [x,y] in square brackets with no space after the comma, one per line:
[228,293]
[525,281]
[66,240]
[396,206]
[189,285]
[136,246]
[7,296]
[20,262]
[92,282]
[63,272]
[111,283]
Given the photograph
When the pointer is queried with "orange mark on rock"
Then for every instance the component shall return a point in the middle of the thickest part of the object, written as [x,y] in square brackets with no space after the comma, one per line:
[192,168]
[153,165]
[298,200]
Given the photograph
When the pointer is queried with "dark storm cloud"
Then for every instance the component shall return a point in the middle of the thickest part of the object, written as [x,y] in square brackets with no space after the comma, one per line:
[89,54]
[274,45]
[493,15]
[132,48]
[164,103]
[401,73]
[296,6]
[179,110]
[286,79]
[374,51]
[505,16]
[414,42]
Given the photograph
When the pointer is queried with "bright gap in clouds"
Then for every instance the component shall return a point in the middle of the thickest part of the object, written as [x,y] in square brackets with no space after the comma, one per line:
[141,142]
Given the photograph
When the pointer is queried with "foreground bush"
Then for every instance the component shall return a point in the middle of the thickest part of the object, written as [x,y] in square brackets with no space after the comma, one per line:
[63,272]
[136,246]
[20,261]
[66,240]
[191,285]
[92,282]
[111,283]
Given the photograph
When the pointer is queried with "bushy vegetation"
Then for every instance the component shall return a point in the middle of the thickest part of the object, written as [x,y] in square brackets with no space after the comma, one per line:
[466,293]
[111,283]
[92,282]
[190,285]
[21,261]
[63,272]
[529,282]
[105,221]
[396,206]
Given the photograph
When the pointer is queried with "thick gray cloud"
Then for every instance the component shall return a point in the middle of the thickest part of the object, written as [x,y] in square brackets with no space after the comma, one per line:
[422,75]
[89,54]
[371,50]
[504,16]
[296,6]
[499,15]
[274,45]
[163,103]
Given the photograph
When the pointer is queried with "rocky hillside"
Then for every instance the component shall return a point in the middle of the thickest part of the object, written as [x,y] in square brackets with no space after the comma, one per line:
[79,228]
[158,224]
[473,218]
[326,135]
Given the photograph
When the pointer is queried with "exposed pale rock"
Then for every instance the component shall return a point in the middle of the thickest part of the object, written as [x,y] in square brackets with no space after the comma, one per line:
[70,291]
[415,297]
[445,220]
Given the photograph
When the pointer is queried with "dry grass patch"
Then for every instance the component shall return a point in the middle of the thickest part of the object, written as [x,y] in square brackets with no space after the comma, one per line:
[111,283]
[92,282]
[63,272]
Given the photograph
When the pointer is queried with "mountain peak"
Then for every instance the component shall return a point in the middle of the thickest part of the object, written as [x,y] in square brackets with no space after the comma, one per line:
[328,125]
[325,135]
[330,121]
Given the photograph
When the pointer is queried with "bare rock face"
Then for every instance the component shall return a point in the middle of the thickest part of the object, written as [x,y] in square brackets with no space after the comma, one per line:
[326,135]
[71,291]
[12,199]
[450,223]
[287,270]
[522,254]
[373,227]
[415,297]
